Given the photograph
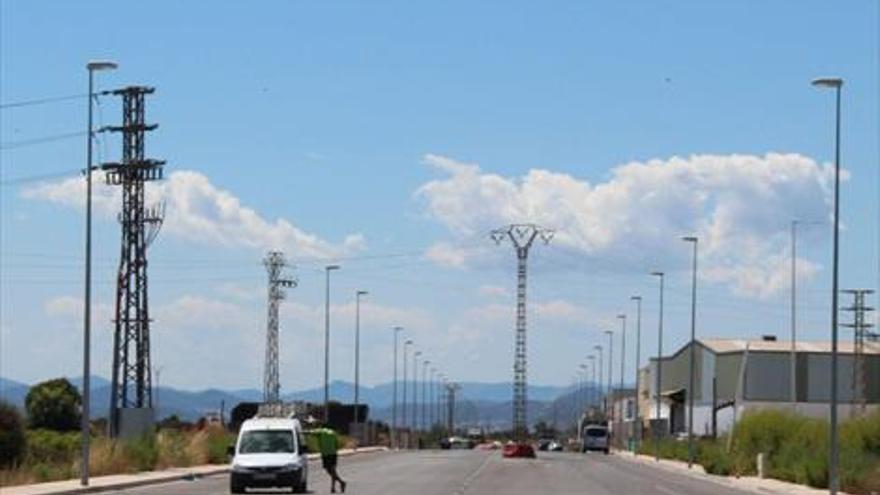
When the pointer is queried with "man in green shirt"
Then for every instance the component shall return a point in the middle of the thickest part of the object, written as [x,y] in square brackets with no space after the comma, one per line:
[328,444]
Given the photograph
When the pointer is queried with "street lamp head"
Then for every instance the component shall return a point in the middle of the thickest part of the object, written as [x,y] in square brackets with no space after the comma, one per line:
[408,342]
[418,353]
[635,298]
[362,293]
[96,65]
[828,82]
[609,332]
[398,329]
[597,347]
[689,238]
[658,274]
[622,316]
[332,267]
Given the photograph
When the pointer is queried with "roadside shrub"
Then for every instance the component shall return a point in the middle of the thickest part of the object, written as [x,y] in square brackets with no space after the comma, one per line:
[142,451]
[51,447]
[12,438]
[713,458]
[53,405]
[218,441]
[172,449]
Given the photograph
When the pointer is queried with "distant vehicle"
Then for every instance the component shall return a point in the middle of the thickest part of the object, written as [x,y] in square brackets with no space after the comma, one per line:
[269,453]
[544,444]
[554,446]
[595,437]
[512,449]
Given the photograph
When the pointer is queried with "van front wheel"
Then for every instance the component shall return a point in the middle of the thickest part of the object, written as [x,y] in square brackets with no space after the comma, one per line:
[235,486]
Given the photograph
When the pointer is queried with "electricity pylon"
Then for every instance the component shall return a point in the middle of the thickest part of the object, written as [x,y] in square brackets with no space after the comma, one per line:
[522,236]
[274,262]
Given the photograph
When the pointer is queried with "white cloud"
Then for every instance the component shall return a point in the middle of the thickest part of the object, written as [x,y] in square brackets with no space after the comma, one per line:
[739,205]
[493,291]
[199,211]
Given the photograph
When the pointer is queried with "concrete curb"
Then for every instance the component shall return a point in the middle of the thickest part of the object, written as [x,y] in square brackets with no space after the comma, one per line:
[124,481]
[748,483]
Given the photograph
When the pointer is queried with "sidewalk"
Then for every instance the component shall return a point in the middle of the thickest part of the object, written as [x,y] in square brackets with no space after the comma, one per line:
[749,483]
[120,481]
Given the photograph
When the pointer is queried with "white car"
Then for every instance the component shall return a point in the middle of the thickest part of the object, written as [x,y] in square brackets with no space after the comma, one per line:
[270,452]
[595,437]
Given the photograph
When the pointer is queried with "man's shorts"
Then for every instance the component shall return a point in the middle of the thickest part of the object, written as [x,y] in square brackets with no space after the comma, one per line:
[328,461]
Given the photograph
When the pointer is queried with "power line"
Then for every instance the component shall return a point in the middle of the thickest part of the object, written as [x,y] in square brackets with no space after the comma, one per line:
[8,145]
[41,177]
[41,101]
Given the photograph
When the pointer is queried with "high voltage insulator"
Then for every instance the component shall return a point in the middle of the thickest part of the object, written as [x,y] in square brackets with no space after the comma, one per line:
[861,333]
[522,236]
[275,263]
[131,386]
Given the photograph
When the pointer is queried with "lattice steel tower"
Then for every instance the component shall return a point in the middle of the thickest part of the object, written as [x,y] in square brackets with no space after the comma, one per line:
[861,333]
[521,236]
[275,263]
[131,384]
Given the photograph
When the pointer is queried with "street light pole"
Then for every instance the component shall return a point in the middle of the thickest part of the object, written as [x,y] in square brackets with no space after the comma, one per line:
[406,345]
[693,351]
[601,384]
[659,381]
[85,425]
[833,482]
[327,270]
[415,409]
[622,318]
[357,352]
[609,401]
[591,392]
[396,330]
[637,432]
[425,365]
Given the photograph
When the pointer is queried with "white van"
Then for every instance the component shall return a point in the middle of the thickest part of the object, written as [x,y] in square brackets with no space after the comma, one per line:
[595,437]
[270,452]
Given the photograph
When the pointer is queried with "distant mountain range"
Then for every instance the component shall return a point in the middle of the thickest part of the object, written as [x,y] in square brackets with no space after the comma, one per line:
[486,404]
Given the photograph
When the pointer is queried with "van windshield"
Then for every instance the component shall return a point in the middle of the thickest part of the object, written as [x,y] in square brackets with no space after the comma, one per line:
[267,442]
[595,432]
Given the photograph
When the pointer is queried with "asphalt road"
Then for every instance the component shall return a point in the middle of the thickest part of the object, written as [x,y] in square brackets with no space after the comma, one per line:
[481,473]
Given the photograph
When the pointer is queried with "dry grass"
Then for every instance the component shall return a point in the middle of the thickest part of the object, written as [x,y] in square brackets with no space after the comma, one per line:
[168,448]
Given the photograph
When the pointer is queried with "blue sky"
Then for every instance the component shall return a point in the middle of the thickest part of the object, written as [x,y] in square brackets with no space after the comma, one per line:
[309,123]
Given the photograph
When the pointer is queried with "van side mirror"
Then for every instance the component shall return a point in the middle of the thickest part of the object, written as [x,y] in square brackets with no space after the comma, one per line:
[230,451]
[303,448]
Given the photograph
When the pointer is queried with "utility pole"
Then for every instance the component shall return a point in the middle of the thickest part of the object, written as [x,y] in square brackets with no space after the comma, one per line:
[521,236]
[274,263]
[130,388]
[861,333]
[637,428]
[357,353]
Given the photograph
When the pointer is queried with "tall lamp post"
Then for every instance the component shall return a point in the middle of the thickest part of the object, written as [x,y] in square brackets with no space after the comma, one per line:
[425,364]
[357,352]
[415,408]
[609,401]
[659,379]
[601,383]
[693,351]
[637,429]
[403,416]
[833,483]
[622,319]
[85,427]
[327,270]
[591,391]
[397,331]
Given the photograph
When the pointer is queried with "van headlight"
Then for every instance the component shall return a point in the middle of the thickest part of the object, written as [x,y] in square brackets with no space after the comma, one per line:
[239,468]
[293,466]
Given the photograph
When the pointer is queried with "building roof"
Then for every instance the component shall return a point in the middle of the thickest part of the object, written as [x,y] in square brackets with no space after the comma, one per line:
[720,346]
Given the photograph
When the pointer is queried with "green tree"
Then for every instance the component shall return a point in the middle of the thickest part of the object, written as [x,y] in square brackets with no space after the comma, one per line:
[12,439]
[54,405]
